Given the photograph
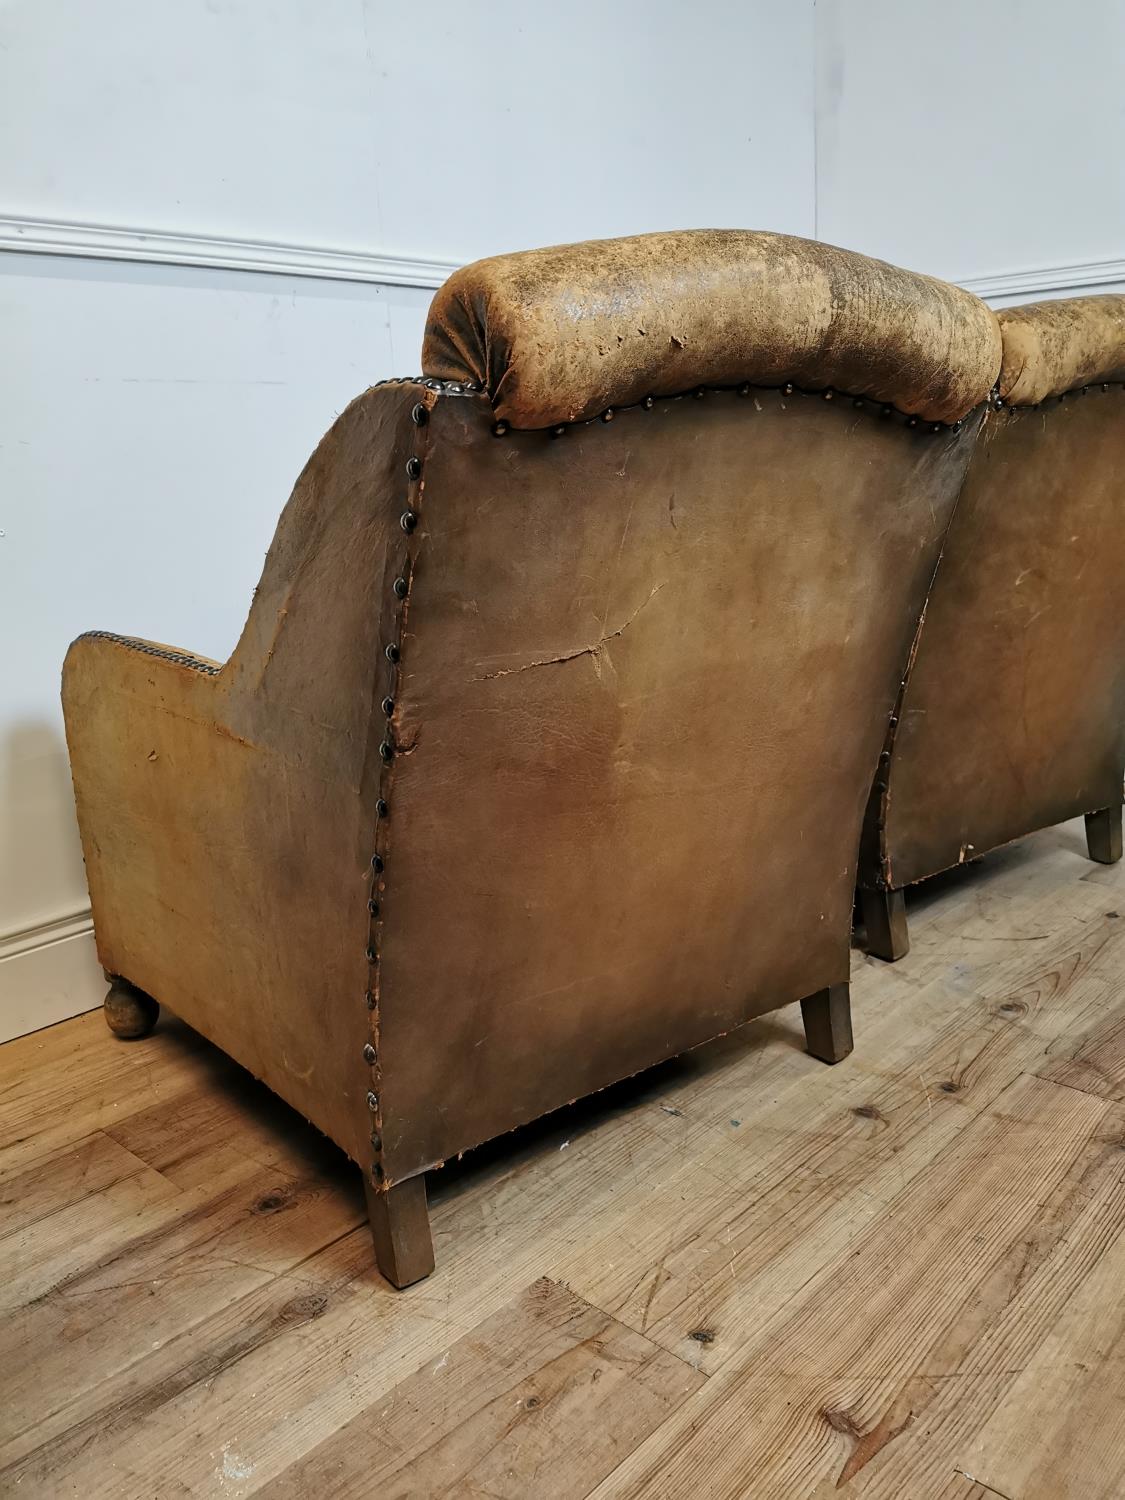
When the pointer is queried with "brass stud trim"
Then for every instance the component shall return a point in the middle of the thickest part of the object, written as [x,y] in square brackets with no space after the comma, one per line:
[181,658]
[502,426]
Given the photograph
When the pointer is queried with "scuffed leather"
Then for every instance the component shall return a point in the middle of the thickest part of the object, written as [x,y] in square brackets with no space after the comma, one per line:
[1013,712]
[560,334]
[644,674]
[647,671]
[1052,347]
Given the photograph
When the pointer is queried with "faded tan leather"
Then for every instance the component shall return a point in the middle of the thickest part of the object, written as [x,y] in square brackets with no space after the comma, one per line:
[645,671]
[613,783]
[1051,347]
[1013,711]
[561,334]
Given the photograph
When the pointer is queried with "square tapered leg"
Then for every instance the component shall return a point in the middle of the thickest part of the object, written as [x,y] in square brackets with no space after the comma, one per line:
[400,1227]
[884,921]
[1103,835]
[828,1023]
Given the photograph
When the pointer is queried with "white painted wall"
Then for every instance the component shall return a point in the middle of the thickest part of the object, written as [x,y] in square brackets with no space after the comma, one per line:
[451,131]
[154,416]
[223,218]
[978,142]
[152,421]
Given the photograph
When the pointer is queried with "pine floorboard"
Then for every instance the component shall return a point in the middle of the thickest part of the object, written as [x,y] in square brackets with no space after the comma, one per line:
[742,1274]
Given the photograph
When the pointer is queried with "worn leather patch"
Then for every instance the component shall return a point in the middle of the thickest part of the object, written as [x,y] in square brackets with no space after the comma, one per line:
[559,335]
[1052,347]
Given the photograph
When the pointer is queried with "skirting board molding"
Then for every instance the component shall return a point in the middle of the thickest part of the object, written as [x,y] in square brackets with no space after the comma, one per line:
[106,242]
[1036,280]
[48,972]
[217,252]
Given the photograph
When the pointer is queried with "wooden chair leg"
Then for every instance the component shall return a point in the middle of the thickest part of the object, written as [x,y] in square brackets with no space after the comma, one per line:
[828,1023]
[884,921]
[1103,835]
[400,1227]
[128,1011]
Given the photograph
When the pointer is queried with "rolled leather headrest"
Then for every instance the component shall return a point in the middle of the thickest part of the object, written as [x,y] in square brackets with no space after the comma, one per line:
[559,335]
[1052,347]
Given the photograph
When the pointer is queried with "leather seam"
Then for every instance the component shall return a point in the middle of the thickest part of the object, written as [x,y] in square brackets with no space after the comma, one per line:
[389,750]
[882,783]
[133,643]
[742,388]
[1070,392]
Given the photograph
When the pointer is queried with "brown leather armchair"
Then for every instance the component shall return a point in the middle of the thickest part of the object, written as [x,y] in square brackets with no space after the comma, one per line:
[544,752]
[1012,712]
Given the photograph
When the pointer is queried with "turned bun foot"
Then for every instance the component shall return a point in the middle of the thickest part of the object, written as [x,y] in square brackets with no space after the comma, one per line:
[129,1012]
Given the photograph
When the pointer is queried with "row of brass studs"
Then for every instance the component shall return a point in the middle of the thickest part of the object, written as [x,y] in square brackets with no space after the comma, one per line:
[1076,390]
[502,427]
[473,388]
[408,521]
[181,658]
[432,383]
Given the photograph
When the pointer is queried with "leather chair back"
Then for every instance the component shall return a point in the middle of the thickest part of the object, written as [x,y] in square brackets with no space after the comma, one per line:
[544,753]
[1013,711]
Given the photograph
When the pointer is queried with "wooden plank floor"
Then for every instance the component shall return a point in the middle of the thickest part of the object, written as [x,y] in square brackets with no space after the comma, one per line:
[743,1274]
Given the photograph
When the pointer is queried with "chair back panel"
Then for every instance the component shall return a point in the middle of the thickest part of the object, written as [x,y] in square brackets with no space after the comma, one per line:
[647,668]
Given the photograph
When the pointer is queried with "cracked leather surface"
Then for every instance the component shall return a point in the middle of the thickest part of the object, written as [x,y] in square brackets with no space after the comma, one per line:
[1013,716]
[643,675]
[560,334]
[647,671]
[1051,347]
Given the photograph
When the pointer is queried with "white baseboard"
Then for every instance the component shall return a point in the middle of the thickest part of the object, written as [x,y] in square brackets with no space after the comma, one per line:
[119,242]
[1034,281]
[47,973]
[109,242]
